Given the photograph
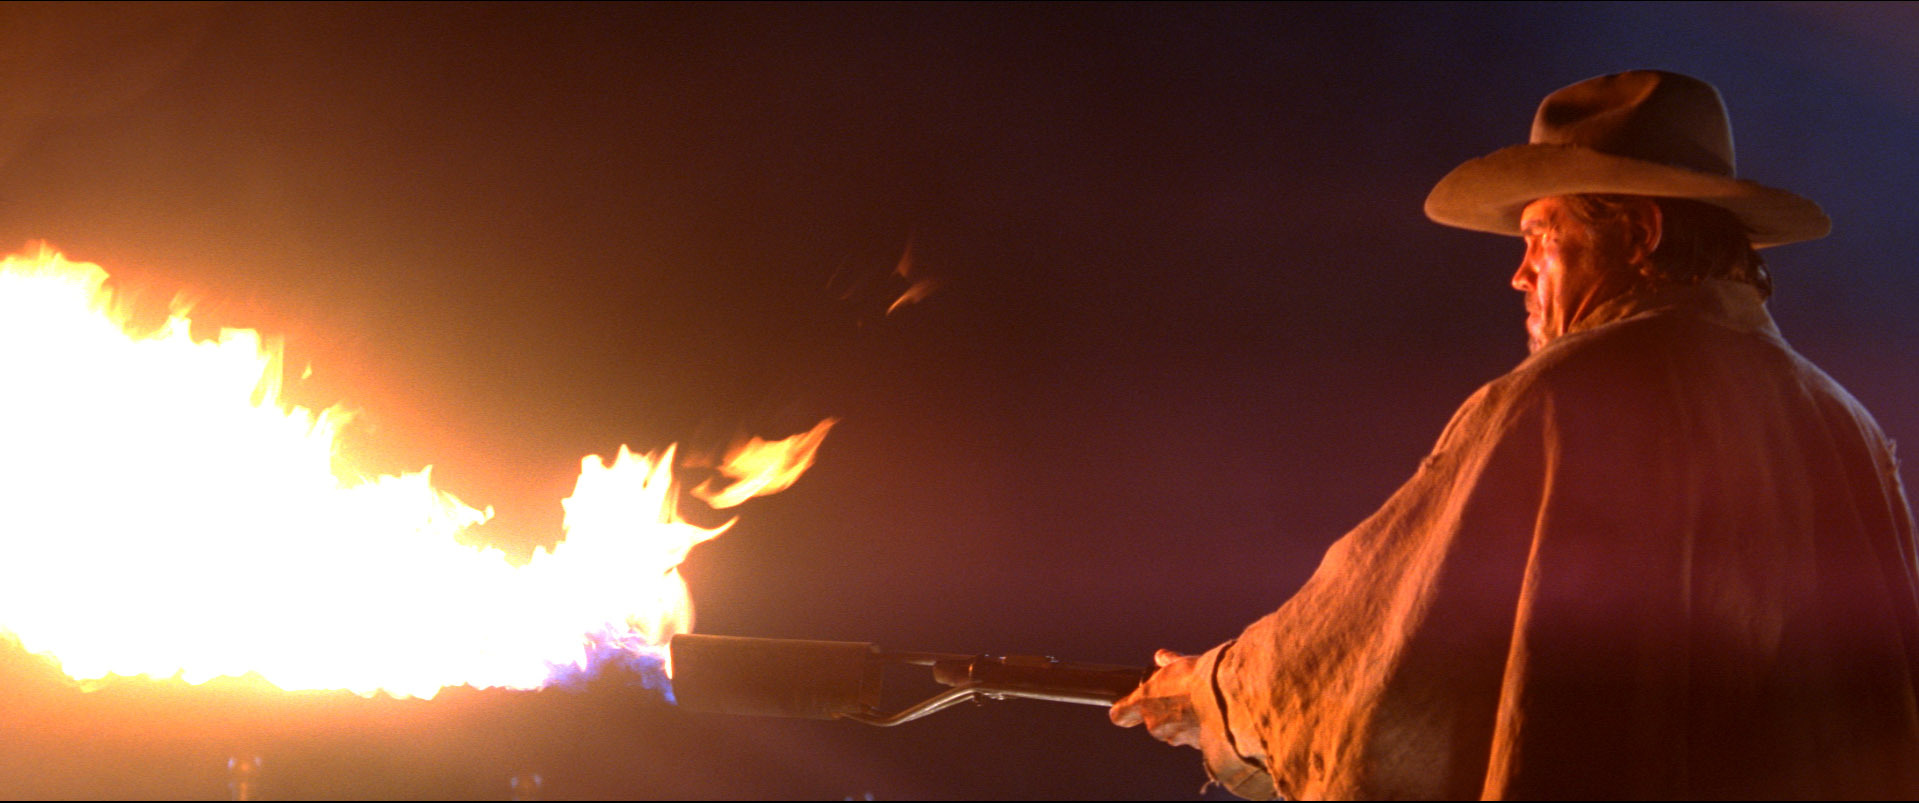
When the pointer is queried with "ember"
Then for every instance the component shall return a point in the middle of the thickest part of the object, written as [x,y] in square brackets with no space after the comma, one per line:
[158,500]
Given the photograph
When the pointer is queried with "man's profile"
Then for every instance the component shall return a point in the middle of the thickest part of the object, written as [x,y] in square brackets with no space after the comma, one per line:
[1665,556]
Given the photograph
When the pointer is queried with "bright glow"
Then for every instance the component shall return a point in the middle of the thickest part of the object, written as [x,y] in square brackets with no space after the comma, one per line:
[162,513]
[758,467]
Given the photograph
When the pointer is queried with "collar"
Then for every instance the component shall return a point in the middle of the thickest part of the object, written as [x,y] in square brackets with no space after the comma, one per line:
[1731,304]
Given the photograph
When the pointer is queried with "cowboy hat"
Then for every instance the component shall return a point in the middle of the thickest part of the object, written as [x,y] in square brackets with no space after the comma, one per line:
[1645,132]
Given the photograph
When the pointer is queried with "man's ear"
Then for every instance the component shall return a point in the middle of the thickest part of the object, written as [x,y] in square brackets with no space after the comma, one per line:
[1648,224]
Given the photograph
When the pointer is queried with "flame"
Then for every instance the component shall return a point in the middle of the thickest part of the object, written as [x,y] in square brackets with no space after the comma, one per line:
[162,513]
[919,288]
[758,467]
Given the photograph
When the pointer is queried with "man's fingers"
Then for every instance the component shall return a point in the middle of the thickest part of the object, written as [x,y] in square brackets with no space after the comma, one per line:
[1177,733]
[1126,712]
[1162,703]
[1169,721]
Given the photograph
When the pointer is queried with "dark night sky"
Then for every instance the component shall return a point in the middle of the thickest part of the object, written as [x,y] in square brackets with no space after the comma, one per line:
[1191,323]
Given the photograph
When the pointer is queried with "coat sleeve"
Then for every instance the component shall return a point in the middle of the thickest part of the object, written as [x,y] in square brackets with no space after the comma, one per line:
[1381,676]
[1226,763]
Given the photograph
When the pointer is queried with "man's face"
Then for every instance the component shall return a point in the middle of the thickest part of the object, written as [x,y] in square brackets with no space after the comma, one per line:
[1569,269]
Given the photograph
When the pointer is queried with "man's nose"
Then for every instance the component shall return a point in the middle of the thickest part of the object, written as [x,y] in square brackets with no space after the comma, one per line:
[1523,278]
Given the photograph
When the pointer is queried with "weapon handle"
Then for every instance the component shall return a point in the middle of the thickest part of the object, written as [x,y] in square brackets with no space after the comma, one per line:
[841,679]
[1043,678]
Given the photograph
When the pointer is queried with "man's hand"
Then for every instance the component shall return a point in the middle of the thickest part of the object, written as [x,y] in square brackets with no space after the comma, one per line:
[1165,701]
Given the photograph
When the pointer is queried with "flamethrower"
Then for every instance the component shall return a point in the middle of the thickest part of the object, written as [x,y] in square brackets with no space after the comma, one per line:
[842,679]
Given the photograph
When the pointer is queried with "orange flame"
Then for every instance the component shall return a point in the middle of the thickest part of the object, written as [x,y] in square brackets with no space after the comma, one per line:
[758,467]
[919,288]
[163,514]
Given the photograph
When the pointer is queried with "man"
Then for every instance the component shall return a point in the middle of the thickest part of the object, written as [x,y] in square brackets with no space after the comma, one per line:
[1664,557]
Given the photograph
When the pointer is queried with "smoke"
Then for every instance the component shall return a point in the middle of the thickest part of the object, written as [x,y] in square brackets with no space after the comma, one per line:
[63,61]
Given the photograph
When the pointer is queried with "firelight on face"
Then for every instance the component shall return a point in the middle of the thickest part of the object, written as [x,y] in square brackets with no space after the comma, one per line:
[1569,268]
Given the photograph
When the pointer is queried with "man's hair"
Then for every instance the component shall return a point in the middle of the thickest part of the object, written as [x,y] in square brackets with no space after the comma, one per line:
[1697,241]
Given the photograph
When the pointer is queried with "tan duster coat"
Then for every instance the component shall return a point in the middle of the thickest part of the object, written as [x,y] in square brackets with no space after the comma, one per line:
[1664,557]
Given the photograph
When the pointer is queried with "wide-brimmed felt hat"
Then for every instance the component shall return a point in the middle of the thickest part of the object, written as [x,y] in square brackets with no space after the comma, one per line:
[1645,132]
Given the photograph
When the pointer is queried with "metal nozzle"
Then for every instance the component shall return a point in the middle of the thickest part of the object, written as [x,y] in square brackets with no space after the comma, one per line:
[775,677]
